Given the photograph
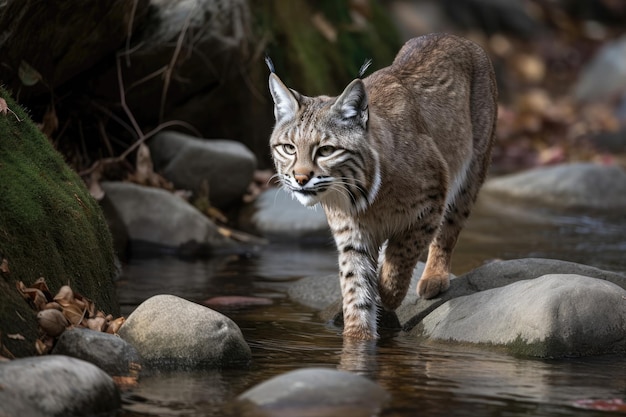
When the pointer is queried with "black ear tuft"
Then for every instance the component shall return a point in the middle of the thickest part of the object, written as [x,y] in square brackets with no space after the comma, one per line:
[364,67]
[270,64]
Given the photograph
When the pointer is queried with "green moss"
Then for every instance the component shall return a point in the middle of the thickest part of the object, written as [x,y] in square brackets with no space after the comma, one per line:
[307,61]
[49,225]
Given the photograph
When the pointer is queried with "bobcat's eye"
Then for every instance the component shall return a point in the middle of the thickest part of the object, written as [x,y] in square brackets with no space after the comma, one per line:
[326,150]
[288,148]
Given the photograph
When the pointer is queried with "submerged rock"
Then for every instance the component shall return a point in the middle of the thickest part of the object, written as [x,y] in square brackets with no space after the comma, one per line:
[316,392]
[571,186]
[152,215]
[56,385]
[108,352]
[169,331]
[225,166]
[551,316]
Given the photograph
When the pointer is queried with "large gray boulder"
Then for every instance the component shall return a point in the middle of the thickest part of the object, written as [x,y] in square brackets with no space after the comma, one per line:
[108,352]
[225,166]
[575,186]
[169,331]
[315,391]
[278,216]
[156,216]
[323,293]
[56,385]
[551,316]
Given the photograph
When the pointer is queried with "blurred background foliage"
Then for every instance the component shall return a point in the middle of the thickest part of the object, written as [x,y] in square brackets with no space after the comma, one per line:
[118,70]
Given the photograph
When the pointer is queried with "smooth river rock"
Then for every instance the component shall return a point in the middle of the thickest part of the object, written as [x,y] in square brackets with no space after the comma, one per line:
[156,216]
[55,385]
[323,293]
[569,186]
[169,331]
[108,352]
[314,392]
[278,216]
[551,316]
[226,166]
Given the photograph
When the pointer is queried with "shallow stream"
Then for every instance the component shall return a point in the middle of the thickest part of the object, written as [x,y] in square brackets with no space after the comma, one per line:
[422,379]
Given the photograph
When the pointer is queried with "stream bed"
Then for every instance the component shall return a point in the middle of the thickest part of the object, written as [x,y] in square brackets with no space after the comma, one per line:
[422,380]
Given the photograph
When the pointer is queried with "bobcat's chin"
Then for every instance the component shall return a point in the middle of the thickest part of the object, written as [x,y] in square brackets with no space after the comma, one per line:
[307,198]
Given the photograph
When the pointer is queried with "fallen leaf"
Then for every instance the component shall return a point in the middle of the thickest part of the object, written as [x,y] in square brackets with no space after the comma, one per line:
[97,324]
[28,75]
[237,301]
[4,266]
[41,285]
[4,109]
[52,322]
[44,346]
[115,325]
[125,382]
[615,404]
[65,296]
[73,313]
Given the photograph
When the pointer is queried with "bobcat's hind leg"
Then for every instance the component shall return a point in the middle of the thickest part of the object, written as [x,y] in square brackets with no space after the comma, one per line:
[398,262]
[436,276]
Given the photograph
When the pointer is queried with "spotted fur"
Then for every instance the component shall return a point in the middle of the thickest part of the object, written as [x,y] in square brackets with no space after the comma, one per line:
[396,161]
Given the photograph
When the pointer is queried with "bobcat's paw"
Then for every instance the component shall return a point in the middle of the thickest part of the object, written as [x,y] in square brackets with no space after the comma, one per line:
[433,285]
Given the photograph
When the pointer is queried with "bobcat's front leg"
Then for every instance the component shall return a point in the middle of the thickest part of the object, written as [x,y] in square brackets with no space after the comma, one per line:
[359,288]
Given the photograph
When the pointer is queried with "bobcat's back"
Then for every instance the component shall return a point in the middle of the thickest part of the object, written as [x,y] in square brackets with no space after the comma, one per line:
[440,90]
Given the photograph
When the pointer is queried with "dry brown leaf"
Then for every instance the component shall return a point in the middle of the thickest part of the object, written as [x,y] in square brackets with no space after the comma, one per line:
[144,171]
[125,382]
[85,304]
[4,266]
[53,306]
[65,296]
[37,297]
[21,288]
[115,325]
[4,109]
[97,324]
[41,285]
[73,313]
[44,346]
[52,322]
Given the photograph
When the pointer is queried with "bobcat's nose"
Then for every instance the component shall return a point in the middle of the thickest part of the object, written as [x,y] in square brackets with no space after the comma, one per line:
[302,179]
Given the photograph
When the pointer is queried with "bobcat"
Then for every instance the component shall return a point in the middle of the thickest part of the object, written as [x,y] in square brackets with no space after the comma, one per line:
[396,161]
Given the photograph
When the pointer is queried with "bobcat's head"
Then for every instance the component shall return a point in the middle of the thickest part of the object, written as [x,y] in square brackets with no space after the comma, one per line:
[320,146]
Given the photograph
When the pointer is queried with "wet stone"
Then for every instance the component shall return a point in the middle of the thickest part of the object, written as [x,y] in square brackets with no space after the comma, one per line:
[171,332]
[110,353]
[551,316]
[314,392]
[55,385]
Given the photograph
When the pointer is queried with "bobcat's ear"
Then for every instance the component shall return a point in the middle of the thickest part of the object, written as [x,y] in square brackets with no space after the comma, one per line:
[352,104]
[285,100]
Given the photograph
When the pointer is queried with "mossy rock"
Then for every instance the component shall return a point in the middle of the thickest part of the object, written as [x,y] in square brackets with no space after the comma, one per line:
[50,227]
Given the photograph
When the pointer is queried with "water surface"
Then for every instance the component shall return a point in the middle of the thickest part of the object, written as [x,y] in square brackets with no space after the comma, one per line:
[423,379]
